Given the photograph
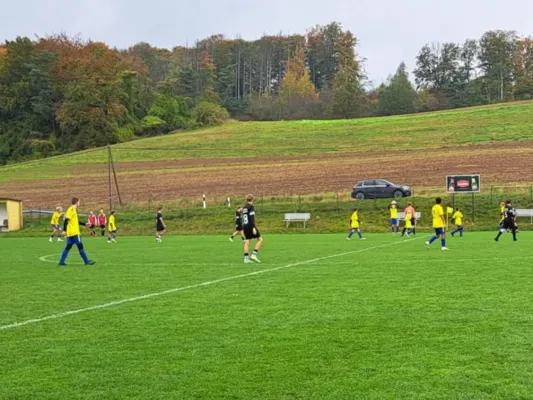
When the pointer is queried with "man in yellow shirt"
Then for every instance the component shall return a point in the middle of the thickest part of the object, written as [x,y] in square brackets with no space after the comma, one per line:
[71,229]
[457,219]
[393,209]
[112,229]
[354,225]
[439,224]
[55,225]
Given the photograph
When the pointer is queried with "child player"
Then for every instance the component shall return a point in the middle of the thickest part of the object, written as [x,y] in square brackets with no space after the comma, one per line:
[91,224]
[393,209]
[160,226]
[408,228]
[102,221]
[439,224]
[354,225]
[238,225]
[112,228]
[457,219]
[55,225]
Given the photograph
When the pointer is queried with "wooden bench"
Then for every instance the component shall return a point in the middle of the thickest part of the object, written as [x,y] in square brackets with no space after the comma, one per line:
[523,212]
[401,216]
[297,217]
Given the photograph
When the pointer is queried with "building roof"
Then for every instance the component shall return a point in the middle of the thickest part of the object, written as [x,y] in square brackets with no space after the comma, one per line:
[10,199]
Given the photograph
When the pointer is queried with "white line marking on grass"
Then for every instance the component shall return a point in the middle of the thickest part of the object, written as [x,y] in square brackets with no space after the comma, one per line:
[196,285]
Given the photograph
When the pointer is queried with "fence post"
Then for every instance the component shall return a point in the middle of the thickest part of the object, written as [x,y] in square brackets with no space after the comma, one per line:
[338,208]
[299,203]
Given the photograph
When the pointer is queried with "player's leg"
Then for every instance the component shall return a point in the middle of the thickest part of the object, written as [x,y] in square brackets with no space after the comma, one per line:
[350,234]
[247,250]
[257,247]
[102,230]
[83,254]
[53,234]
[443,240]
[434,237]
[233,235]
[64,255]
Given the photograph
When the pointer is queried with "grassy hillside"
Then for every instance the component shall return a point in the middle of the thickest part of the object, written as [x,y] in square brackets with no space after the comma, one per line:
[296,157]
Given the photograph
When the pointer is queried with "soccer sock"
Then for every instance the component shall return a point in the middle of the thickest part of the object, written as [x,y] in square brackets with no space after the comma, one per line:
[443,242]
[246,256]
[255,252]
[392,229]
[500,233]
[514,234]
[410,231]
[397,229]
[461,231]
[350,234]
[404,230]
[84,256]
[433,238]
[360,235]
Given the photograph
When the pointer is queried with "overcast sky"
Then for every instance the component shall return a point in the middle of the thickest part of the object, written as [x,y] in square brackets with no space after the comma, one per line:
[389,31]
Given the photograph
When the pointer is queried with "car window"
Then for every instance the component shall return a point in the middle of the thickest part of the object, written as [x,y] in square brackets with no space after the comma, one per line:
[370,183]
[381,183]
[359,184]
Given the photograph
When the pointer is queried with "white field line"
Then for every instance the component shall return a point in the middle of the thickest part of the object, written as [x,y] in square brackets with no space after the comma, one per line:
[183,288]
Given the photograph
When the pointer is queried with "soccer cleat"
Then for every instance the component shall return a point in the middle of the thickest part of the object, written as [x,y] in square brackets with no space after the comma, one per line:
[427,245]
[59,240]
[231,239]
[363,238]
[254,258]
[62,265]
[91,262]
[109,242]
[50,240]
[247,261]
[445,249]
[348,239]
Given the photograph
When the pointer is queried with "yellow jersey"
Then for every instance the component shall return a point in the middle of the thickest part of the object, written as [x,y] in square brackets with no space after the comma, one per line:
[111,225]
[458,217]
[502,213]
[393,212]
[73,225]
[408,223]
[55,218]
[437,213]
[355,220]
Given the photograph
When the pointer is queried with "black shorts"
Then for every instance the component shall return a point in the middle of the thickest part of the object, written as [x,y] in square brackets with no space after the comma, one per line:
[509,224]
[238,228]
[249,234]
[413,221]
[90,226]
[102,226]
[160,228]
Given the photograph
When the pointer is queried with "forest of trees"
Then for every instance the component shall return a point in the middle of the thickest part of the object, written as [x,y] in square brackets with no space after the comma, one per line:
[60,94]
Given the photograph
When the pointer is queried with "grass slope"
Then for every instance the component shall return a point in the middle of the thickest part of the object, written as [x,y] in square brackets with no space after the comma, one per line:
[386,320]
[479,125]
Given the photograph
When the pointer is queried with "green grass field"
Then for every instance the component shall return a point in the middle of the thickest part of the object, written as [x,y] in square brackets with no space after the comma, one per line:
[477,125]
[320,318]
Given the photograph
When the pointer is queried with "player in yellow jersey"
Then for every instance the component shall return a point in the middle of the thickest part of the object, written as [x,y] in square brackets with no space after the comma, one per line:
[112,229]
[71,229]
[408,228]
[457,219]
[439,224]
[354,226]
[502,213]
[393,210]
[55,225]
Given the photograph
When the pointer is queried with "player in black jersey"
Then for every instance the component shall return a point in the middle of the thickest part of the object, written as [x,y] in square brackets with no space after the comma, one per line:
[160,226]
[238,224]
[250,230]
[509,221]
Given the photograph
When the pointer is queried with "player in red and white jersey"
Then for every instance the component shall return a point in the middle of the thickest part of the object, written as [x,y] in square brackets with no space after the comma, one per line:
[102,221]
[91,223]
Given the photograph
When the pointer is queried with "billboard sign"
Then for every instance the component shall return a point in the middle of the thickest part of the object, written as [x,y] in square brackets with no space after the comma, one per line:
[463,184]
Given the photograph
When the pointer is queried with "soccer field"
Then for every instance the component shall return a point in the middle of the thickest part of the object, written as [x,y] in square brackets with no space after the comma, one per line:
[320,318]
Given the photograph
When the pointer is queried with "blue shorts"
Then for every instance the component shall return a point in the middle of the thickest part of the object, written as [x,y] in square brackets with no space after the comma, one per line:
[394,221]
[439,231]
[74,240]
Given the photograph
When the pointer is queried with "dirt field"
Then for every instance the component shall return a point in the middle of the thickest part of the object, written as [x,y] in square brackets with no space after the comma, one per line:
[499,164]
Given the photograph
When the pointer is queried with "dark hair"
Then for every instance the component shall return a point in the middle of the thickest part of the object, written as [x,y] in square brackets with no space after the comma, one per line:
[457,209]
[159,208]
[74,200]
[112,212]
[438,200]
[355,209]
[508,202]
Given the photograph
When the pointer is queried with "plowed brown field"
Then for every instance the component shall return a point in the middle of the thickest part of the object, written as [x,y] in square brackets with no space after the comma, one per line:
[502,163]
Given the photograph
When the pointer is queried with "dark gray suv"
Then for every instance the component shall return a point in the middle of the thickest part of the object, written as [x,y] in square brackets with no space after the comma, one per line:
[379,189]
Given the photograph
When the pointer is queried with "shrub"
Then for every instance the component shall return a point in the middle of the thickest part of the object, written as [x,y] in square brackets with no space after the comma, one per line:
[209,114]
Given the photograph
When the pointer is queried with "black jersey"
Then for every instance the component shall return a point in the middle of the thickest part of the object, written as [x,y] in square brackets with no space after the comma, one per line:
[159,219]
[248,216]
[238,218]
[509,213]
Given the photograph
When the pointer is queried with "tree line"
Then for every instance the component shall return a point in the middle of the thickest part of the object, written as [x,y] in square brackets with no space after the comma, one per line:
[61,94]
